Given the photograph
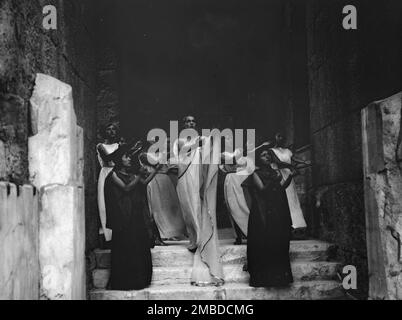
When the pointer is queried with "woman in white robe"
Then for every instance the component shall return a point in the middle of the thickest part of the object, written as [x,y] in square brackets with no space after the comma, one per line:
[207,268]
[234,193]
[104,150]
[188,186]
[164,203]
[285,157]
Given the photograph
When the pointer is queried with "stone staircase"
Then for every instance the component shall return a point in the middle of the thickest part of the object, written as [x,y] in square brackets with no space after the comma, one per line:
[315,277]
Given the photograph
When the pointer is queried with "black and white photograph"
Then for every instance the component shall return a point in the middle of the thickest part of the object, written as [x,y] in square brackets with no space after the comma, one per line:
[225,150]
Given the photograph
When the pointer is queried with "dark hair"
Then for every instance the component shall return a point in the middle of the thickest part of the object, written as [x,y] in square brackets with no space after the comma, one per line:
[259,152]
[118,161]
[187,116]
[104,128]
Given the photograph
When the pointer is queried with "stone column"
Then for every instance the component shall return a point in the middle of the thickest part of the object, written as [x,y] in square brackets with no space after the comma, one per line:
[56,169]
[381,129]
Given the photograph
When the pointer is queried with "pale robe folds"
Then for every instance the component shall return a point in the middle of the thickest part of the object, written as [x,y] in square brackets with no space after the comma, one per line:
[296,213]
[188,192]
[197,190]
[234,193]
[106,168]
[164,206]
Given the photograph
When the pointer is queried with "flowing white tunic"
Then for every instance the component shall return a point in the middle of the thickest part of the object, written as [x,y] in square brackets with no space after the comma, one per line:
[164,206]
[234,193]
[285,155]
[106,168]
[197,191]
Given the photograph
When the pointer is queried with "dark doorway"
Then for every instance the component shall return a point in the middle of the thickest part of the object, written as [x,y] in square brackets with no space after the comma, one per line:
[221,61]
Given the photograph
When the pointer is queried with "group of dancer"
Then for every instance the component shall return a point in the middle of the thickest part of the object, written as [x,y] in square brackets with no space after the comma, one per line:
[142,203]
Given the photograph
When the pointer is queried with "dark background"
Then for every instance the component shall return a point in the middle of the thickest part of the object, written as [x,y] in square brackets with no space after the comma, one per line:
[221,61]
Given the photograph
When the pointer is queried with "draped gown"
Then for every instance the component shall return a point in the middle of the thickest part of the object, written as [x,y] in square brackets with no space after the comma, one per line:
[235,196]
[106,168]
[131,265]
[298,221]
[197,191]
[164,206]
[269,231]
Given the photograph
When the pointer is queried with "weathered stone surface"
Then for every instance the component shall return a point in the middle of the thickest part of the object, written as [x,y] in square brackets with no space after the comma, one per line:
[80,178]
[311,290]
[3,167]
[54,150]
[176,255]
[345,74]
[381,127]
[68,54]
[13,139]
[233,273]
[62,243]
[339,218]
[19,249]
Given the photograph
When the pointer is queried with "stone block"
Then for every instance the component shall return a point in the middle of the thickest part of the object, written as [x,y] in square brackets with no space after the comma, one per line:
[62,243]
[19,250]
[14,135]
[54,149]
[80,156]
[308,290]
[3,167]
[381,127]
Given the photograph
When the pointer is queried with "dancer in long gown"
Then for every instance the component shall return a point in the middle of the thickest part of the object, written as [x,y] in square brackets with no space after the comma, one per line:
[103,150]
[237,198]
[125,196]
[269,227]
[188,183]
[283,160]
[163,201]
[197,191]
[207,268]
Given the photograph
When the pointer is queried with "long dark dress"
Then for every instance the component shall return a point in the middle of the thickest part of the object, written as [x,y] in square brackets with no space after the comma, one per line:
[131,254]
[269,231]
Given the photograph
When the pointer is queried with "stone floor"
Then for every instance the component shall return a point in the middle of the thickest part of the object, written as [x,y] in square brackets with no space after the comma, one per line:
[315,276]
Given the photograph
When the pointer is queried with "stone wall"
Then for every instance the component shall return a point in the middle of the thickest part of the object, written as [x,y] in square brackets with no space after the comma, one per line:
[381,132]
[347,69]
[107,98]
[68,54]
[19,250]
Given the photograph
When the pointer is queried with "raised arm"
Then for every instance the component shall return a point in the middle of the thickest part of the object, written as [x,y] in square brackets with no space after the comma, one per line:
[103,154]
[281,164]
[125,187]
[257,182]
[149,178]
[285,183]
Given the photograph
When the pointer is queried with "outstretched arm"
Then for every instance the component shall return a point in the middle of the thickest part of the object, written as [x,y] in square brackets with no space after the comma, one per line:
[152,175]
[289,179]
[299,161]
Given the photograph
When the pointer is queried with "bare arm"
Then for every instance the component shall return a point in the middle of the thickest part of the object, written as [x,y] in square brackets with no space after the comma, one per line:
[103,154]
[152,175]
[149,178]
[257,182]
[299,161]
[281,164]
[123,186]
[287,182]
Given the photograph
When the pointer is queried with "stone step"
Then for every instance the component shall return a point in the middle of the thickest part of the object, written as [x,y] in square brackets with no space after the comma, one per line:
[176,254]
[165,276]
[306,290]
